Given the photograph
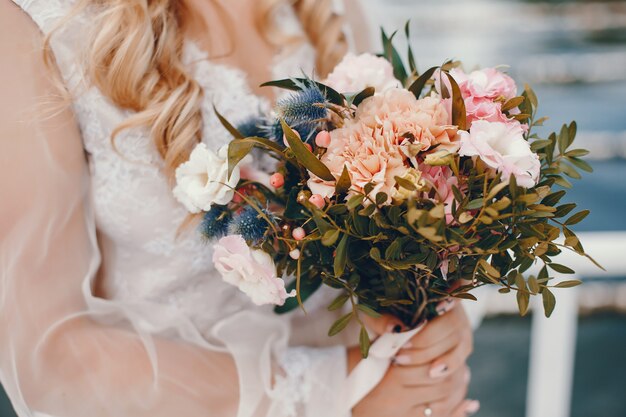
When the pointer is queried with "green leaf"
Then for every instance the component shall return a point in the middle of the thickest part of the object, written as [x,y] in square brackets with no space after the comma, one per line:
[561,268]
[381,198]
[533,285]
[563,139]
[418,85]
[564,209]
[239,148]
[577,153]
[475,204]
[568,284]
[305,156]
[355,201]
[368,92]
[231,129]
[512,103]
[341,257]
[459,114]
[339,301]
[465,296]
[581,164]
[407,33]
[532,97]
[549,302]
[369,311]
[577,218]
[296,85]
[571,132]
[393,57]
[489,269]
[330,237]
[404,183]
[364,342]
[344,183]
[340,324]
[553,199]
[523,300]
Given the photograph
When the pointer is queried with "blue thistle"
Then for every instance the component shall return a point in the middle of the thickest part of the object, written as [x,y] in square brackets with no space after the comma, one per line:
[215,222]
[253,126]
[250,224]
[307,130]
[303,110]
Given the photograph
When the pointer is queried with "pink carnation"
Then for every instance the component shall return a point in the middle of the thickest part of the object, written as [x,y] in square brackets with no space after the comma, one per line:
[251,270]
[375,146]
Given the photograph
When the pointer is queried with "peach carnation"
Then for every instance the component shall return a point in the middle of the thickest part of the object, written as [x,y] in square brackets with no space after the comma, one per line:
[386,134]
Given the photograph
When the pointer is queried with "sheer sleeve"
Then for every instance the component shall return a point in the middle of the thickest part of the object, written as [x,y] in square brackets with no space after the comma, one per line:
[61,356]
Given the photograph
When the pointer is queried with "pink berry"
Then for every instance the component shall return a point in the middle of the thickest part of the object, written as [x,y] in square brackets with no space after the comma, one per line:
[323,139]
[277,180]
[298,233]
[318,201]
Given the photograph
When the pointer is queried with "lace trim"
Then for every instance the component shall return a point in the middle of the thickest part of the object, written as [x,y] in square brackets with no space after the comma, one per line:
[292,391]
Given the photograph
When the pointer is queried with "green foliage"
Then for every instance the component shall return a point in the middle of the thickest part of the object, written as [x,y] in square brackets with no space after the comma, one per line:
[385,256]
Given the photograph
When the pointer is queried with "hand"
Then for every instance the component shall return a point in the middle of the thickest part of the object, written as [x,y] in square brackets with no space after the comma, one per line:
[429,372]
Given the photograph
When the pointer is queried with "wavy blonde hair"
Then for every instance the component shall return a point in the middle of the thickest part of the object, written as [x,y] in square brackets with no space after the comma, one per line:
[135,52]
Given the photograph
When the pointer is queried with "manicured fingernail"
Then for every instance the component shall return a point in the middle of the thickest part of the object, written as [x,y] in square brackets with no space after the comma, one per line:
[403,360]
[472,407]
[468,375]
[438,371]
[407,345]
[445,306]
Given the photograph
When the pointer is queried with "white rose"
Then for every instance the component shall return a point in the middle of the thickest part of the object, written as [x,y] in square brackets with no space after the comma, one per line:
[502,147]
[203,180]
[356,72]
[251,270]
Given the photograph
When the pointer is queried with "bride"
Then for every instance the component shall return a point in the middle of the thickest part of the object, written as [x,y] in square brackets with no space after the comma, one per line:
[109,304]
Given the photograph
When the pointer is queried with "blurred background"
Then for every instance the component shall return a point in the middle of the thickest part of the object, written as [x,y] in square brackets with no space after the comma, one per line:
[573,53]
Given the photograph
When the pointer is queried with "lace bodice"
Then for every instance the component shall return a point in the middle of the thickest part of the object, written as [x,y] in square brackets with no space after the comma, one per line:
[162,280]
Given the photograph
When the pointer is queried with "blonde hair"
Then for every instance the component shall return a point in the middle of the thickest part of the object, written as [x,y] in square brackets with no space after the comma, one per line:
[135,58]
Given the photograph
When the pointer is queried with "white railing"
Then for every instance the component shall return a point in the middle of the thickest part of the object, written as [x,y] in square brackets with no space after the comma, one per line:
[553,340]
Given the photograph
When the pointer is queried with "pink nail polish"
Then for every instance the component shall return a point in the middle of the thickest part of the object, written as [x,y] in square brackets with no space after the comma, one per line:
[407,345]
[445,306]
[403,360]
[438,371]
[472,407]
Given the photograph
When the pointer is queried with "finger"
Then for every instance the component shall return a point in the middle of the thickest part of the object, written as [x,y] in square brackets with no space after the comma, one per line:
[418,377]
[453,359]
[458,393]
[414,356]
[384,324]
[441,328]
[466,408]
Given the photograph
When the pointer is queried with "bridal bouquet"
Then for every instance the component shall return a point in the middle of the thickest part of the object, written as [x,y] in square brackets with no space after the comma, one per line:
[400,189]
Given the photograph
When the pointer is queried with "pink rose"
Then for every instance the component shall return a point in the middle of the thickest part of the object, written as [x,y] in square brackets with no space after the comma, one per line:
[357,72]
[503,148]
[252,271]
[485,83]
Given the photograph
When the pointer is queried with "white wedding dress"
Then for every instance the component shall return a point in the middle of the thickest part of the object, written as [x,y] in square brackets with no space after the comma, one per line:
[170,338]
